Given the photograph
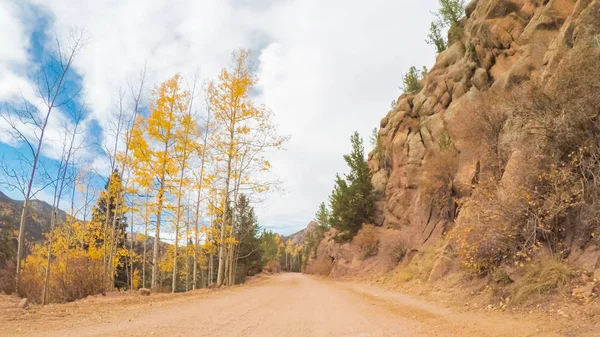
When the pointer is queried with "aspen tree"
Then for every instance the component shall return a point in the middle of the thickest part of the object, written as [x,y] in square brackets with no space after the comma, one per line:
[153,142]
[245,132]
[185,134]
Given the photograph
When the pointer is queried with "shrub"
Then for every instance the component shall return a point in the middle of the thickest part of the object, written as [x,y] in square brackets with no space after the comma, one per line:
[487,117]
[394,248]
[367,241]
[7,278]
[484,234]
[437,180]
[436,38]
[412,81]
[377,145]
[77,278]
[448,16]
[272,267]
[321,266]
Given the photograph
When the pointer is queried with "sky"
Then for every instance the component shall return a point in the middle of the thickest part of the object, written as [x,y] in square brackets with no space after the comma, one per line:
[326,69]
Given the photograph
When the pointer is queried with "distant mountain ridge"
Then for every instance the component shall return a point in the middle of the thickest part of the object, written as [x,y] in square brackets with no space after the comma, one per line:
[38,220]
[299,237]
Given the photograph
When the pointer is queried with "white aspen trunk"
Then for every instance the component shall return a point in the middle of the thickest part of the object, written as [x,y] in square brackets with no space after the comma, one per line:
[221,268]
[187,255]
[145,242]
[178,217]
[197,222]
[131,249]
[155,249]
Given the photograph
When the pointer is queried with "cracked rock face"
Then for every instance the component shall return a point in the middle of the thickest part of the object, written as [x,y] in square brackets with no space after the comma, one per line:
[505,44]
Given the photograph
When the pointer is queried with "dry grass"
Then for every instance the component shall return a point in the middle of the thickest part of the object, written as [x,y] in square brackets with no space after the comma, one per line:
[420,266]
[544,276]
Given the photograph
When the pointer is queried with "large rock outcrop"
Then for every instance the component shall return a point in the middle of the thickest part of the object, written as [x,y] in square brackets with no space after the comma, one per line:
[505,45]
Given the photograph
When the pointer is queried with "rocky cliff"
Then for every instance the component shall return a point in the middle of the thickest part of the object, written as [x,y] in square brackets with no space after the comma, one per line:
[466,130]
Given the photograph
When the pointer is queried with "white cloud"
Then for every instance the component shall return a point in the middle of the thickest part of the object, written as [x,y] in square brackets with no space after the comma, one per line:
[326,68]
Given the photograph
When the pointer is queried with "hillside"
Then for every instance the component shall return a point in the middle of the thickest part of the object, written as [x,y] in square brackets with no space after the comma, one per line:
[38,221]
[490,168]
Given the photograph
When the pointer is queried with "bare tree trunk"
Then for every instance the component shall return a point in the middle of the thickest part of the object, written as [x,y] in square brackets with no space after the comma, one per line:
[54,92]
[108,244]
[58,191]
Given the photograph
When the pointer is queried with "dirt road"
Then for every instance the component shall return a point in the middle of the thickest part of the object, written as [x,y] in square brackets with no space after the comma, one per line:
[283,305]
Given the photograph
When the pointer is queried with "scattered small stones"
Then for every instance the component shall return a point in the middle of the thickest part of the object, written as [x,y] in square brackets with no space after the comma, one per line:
[585,292]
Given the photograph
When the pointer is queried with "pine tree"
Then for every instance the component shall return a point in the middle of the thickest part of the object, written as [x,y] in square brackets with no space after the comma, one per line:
[249,253]
[113,193]
[322,216]
[353,197]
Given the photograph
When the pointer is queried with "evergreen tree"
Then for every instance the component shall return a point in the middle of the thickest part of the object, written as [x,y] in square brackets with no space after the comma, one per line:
[352,200]
[314,237]
[322,217]
[436,38]
[108,197]
[249,253]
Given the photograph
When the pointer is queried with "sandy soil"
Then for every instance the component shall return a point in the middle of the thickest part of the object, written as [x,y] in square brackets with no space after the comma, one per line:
[282,305]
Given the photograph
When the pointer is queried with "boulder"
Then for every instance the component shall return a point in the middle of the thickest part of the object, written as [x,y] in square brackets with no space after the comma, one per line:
[481,79]
[384,122]
[451,55]
[144,291]
[23,304]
